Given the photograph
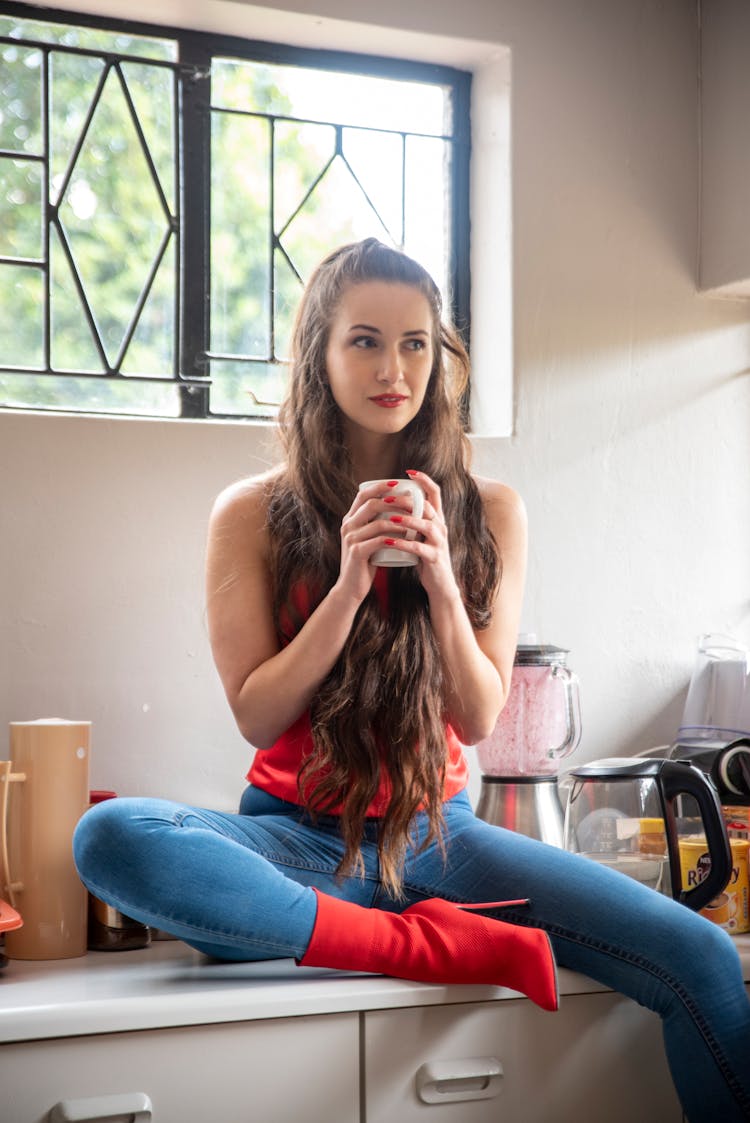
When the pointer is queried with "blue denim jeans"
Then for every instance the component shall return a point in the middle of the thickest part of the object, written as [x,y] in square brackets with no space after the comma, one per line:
[238,886]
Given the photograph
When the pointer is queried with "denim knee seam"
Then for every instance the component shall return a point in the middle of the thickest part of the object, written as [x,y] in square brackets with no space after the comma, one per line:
[285,862]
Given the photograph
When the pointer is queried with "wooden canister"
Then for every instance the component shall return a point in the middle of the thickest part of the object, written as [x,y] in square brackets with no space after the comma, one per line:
[48,792]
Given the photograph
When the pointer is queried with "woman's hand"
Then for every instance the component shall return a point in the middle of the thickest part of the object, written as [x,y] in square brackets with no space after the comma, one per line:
[366,528]
[431,547]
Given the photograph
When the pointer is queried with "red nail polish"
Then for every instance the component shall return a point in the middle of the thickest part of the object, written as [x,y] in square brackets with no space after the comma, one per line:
[392,483]
[411,472]
[389,498]
[390,541]
[396,519]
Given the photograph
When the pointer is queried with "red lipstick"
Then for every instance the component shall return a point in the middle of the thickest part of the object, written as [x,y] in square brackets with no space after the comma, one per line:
[388,401]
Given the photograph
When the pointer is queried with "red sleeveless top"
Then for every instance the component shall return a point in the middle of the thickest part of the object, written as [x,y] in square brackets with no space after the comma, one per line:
[275,770]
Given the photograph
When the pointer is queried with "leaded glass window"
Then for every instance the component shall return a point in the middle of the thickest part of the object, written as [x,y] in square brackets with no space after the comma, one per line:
[164,196]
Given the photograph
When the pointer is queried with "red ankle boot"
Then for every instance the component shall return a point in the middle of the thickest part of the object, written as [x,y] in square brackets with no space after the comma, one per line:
[435,942]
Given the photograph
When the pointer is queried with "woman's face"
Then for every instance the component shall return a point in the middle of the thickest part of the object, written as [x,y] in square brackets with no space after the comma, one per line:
[380,354]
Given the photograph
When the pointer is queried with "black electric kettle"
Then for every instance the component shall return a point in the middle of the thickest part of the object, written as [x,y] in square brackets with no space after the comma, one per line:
[633,814]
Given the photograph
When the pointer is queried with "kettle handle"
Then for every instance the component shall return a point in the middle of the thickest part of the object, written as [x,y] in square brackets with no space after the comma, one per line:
[679,778]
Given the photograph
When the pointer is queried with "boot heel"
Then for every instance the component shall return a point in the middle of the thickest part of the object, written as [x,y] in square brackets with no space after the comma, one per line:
[489,907]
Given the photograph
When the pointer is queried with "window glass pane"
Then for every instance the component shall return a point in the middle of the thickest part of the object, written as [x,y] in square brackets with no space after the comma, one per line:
[427,214]
[287,291]
[376,160]
[72,340]
[152,350]
[240,235]
[20,99]
[246,388]
[73,83]
[88,37]
[20,208]
[336,212]
[332,95]
[151,89]
[21,325]
[112,214]
[89,395]
[301,155]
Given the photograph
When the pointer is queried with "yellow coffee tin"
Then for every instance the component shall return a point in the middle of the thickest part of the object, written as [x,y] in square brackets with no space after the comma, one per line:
[731,908]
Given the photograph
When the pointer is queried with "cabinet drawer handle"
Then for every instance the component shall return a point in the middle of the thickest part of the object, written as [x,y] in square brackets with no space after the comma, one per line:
[476,1078]
[131,1107]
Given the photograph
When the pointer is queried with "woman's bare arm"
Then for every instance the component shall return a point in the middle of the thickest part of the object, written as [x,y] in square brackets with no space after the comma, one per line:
[267,686]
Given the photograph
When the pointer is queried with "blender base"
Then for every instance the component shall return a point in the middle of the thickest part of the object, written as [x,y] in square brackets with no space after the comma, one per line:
[529,805]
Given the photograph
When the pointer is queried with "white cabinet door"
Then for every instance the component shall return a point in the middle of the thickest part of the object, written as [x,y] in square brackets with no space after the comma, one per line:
[450,1051]
[275,1071]
[600,1057]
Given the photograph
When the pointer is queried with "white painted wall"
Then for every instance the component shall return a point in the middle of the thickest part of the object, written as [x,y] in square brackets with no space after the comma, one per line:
[631,441]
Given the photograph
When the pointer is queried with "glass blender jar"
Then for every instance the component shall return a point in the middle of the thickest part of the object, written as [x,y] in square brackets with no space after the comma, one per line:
[539,725]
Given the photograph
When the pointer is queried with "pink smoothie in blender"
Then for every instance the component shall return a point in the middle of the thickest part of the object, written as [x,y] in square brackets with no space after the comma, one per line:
[539,725]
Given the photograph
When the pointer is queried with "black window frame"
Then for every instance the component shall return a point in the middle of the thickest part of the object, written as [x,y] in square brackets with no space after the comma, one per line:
[195,51]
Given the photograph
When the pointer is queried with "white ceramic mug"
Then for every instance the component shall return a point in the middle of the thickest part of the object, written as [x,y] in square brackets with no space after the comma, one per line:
[389,555]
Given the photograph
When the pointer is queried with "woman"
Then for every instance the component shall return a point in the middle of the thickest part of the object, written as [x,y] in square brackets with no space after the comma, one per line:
[356,845]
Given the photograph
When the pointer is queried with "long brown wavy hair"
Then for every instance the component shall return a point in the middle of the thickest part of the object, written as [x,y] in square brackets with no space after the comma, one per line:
[382,705]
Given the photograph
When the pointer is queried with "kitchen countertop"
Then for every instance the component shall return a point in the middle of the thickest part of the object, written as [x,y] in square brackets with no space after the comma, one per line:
[169,984]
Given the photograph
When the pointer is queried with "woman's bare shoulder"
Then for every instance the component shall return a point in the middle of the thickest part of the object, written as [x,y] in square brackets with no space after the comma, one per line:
[245,502]
[502,503]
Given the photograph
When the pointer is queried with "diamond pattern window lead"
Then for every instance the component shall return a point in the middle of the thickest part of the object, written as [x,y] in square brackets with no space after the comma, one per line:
[98,211]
